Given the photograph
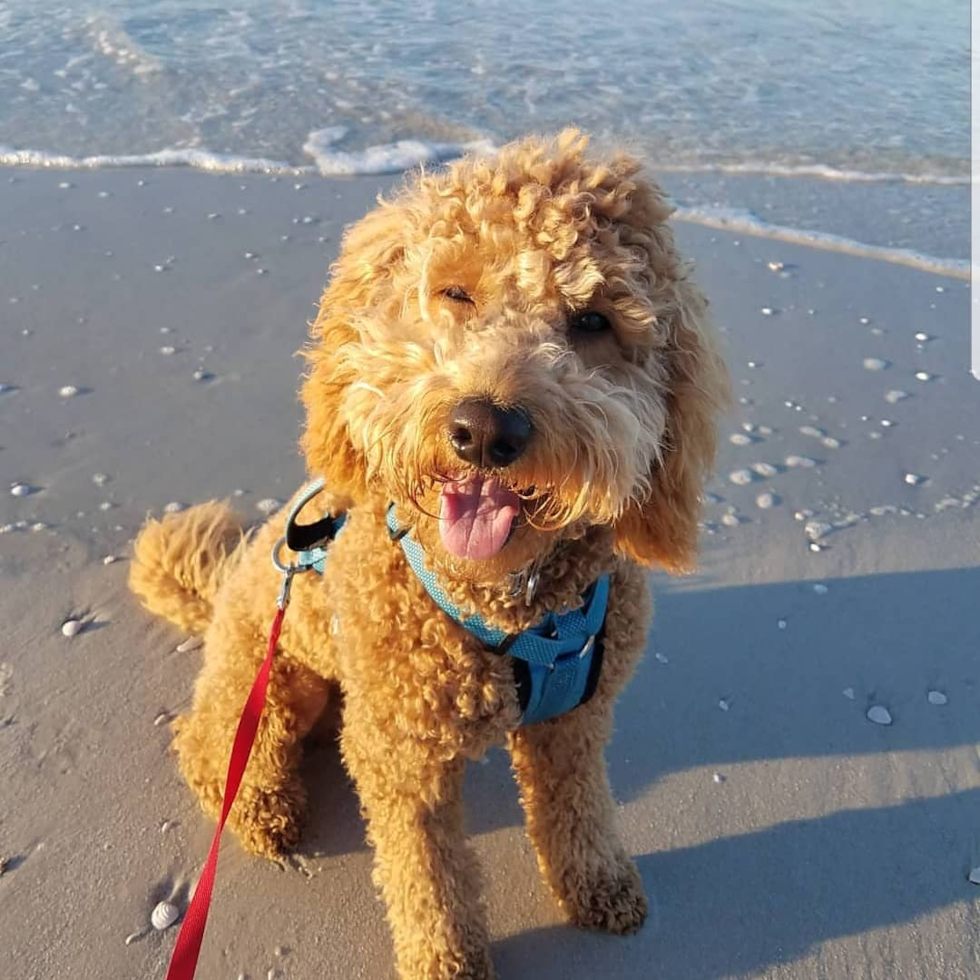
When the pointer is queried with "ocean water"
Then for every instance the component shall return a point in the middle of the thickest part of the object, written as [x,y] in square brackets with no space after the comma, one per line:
[833,118]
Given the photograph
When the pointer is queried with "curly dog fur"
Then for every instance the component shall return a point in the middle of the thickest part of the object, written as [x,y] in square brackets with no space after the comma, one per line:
[469,283]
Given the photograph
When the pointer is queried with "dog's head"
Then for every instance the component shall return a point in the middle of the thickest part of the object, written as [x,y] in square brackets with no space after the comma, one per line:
[511,351]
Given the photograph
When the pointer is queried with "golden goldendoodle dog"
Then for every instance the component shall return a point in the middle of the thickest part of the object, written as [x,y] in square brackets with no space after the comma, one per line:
[511,393]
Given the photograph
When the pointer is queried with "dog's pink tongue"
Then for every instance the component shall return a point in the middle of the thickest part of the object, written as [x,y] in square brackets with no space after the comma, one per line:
[475,517]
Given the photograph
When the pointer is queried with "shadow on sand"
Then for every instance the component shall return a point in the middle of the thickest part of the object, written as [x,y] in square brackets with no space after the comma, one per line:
[768,896]
[738,905]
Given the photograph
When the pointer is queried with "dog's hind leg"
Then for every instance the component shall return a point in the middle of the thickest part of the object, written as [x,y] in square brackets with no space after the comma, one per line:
[271,802]
[561,772]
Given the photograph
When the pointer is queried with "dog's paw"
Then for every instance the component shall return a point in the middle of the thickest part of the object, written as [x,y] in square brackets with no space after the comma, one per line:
[611,901]
[443,964]
[267,823]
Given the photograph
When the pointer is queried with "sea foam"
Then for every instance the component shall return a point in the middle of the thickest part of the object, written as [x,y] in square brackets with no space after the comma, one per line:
[384,158]
[741,220]
[818,171]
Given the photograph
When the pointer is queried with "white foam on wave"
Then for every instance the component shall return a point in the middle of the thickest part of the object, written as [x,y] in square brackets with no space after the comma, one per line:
[384,158]
[198,159]
[741,220]
[817,171]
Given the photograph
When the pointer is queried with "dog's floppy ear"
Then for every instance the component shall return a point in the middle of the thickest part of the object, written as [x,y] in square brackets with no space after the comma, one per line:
[359,279]
[662,530]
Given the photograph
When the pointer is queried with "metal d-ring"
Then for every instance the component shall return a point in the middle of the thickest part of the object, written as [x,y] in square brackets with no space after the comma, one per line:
[277,561]
[532,587]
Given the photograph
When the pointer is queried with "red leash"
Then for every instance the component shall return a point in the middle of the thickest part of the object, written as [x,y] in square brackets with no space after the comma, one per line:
[183,962]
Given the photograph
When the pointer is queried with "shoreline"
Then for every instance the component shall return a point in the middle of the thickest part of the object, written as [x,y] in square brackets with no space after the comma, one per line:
[389,162]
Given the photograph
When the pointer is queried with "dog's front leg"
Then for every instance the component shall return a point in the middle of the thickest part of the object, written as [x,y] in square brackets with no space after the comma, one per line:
[561,771]
[412,800]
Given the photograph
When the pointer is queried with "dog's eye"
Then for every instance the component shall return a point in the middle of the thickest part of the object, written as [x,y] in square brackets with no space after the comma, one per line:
[458,294]
[590,322]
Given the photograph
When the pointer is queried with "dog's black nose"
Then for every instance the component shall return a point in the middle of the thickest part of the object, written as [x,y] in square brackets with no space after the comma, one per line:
[487,435]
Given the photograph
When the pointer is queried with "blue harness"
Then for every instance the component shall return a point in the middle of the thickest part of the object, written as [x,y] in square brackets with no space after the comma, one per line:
[556,662]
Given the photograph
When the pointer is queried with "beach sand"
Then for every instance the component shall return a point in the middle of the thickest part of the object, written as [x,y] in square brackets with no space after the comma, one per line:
[780,832]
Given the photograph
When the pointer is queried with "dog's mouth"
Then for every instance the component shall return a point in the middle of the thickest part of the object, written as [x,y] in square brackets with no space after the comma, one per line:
[476,516]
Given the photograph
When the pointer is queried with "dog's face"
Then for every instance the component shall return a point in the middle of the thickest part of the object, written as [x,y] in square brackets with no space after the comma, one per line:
[509,351]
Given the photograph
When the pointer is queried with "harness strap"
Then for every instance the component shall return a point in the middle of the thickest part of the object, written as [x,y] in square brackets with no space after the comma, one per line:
[556,661]
[563,652]
[310,541]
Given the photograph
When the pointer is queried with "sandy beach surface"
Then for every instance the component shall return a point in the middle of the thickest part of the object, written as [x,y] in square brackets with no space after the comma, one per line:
[148,325]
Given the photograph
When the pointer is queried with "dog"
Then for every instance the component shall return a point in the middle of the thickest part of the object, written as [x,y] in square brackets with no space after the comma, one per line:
[512,371]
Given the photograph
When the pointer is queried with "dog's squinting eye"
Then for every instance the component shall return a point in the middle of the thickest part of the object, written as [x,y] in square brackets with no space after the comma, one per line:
[590,322]
[458,294]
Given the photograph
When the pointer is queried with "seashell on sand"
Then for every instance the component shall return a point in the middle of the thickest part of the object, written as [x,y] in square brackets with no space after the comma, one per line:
[815,530]
[164,915]
[874,364]
[71,627]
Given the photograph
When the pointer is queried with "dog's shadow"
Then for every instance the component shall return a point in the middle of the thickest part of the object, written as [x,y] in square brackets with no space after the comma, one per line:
[737,906]
[335,825]
[740,904]
[734,905]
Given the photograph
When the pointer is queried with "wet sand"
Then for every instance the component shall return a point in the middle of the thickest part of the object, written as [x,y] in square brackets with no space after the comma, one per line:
[780,832]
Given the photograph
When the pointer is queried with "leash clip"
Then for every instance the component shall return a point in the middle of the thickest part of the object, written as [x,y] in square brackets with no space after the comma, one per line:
[287,573]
